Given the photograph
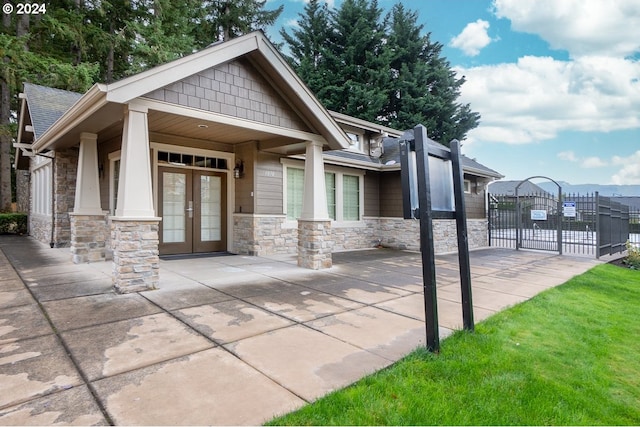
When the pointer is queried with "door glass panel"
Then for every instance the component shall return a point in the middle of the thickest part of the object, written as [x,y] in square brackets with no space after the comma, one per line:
[174,187]
[210,208]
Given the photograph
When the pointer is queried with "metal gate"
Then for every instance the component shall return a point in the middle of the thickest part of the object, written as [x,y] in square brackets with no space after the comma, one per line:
[575,224]
[527,221]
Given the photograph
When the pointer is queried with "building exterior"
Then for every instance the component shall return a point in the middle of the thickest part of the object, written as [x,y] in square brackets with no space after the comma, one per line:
[223,150]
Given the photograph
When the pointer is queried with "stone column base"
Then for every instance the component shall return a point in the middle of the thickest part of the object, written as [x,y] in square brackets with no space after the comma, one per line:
[88,237]
[314,244]
[136,260]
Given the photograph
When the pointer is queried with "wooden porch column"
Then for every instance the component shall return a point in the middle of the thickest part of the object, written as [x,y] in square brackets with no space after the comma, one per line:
[314,225]
[134,228]
[87,221]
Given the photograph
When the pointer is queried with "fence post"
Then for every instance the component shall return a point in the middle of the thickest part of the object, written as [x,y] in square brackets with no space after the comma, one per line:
[597,225]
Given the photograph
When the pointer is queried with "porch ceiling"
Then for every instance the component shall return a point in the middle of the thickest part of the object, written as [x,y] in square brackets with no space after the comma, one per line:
[195,128]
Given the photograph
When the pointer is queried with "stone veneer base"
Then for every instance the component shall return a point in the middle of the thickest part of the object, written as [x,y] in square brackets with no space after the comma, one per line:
[314,244]
[136,260]
[88,237]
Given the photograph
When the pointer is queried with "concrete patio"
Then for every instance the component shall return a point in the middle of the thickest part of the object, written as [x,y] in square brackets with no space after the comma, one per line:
[227,340]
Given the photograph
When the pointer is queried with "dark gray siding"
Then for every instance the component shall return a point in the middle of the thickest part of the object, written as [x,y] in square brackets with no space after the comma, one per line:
[235,89]
[268,190]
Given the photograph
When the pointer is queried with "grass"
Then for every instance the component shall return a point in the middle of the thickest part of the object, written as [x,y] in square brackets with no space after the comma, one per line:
[569,356]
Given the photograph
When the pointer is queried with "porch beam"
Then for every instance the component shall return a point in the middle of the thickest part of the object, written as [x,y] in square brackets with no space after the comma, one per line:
[87,198]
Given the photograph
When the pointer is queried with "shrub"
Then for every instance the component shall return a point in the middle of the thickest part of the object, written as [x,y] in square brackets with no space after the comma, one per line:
[633,256]
[13,223]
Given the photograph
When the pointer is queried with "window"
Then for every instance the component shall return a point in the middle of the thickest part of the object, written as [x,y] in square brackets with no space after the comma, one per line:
[350,198]
[295,189]
[330,184]
[343,194]
[467,186]
[355,141]
[181,159]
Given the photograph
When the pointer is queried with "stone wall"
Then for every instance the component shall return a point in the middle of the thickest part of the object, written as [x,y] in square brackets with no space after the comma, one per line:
[66,171]
[360,236]
[261,235]
[22,191]
[405,234]
[269,235]
[40,227]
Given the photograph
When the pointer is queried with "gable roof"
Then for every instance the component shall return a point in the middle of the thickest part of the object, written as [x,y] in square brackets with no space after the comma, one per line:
[253,46]
[46,105]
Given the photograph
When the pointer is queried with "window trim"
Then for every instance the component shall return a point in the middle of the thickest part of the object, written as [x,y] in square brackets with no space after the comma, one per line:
[339,174]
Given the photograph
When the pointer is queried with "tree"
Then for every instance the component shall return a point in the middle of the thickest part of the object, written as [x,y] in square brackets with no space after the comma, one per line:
[358,61]
[222,20]
[307,46]
[390,72]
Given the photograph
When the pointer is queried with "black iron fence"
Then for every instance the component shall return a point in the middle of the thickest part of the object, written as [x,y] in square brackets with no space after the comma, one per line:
[578,224]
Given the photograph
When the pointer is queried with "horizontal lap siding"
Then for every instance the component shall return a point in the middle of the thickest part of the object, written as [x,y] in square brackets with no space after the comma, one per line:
[372,194]
[269,184]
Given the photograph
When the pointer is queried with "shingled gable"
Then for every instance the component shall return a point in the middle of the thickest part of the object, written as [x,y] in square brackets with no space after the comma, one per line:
[254,47]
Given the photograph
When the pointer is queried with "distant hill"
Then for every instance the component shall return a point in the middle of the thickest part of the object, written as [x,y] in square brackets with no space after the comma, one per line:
[603,190]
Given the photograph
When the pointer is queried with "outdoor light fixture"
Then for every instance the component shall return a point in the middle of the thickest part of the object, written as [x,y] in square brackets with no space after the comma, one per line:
[238,171]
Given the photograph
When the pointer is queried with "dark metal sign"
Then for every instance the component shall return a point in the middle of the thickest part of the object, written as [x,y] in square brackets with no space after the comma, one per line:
[433,187]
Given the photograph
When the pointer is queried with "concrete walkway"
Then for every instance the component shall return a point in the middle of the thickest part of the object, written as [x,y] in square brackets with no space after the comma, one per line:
[225,340]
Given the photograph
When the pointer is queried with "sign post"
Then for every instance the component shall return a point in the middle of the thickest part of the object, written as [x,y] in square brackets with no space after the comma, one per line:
[433,187]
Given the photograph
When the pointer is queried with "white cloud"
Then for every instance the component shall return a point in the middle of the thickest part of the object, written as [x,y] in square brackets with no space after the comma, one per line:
[292,23]
[473,38]
[593,162]
[567,155]
[629,172]
[582,27]
[538,97]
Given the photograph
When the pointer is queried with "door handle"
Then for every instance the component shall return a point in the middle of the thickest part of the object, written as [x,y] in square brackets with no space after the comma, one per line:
[190,209]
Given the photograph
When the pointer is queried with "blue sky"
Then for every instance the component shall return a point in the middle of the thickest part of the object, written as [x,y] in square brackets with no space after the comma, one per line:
[557,82]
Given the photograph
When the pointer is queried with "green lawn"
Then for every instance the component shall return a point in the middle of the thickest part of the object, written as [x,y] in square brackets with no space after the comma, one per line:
[571,355]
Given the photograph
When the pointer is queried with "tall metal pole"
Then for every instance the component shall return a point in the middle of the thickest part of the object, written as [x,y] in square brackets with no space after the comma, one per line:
[426,239]
[463,243]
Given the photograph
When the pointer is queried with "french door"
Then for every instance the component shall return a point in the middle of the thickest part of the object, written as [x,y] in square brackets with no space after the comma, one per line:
[192,204]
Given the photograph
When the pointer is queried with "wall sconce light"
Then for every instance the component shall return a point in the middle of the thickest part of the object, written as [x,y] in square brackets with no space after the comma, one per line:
[238,171]
[100,170]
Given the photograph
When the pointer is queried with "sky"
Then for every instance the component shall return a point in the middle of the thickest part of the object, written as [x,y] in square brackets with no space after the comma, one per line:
[556,82]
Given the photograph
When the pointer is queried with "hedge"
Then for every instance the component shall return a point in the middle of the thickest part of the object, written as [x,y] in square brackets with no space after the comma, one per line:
[13,223]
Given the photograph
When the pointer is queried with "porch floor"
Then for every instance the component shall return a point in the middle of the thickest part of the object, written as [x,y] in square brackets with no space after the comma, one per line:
[231,340]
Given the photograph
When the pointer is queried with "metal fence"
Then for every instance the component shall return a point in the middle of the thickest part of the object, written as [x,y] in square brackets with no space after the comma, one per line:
[590,225]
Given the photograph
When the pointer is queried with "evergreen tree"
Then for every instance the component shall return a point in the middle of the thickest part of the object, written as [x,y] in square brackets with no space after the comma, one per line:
[389,72]
[358,61]
[28,56]
[307,46]
[167,32]
[222,20]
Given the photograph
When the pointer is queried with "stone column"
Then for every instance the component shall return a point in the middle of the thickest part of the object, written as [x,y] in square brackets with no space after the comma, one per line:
[135,255]
[314,225]
[88,222]
[134,228]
